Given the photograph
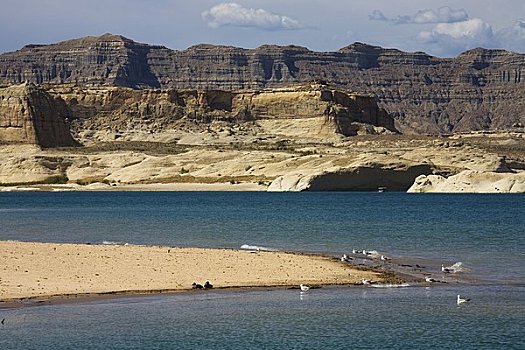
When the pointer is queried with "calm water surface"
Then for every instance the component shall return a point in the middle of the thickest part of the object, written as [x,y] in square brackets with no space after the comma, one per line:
[485,232]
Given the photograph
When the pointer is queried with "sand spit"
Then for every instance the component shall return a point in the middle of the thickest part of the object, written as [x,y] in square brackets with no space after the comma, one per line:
[45,270]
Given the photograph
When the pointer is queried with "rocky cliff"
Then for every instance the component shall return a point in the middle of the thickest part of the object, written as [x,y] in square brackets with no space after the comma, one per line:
[123,110]
[31,115]
[479,89]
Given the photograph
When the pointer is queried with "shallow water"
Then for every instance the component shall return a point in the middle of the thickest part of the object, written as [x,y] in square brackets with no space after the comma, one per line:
[485,232]
[356,318]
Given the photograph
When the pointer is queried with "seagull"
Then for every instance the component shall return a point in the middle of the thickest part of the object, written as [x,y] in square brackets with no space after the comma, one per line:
[446,269]
[429,279]
[304,288]
[384,258]
[461,300]
[345,258]
[354,251]
[208,285]
[365,282]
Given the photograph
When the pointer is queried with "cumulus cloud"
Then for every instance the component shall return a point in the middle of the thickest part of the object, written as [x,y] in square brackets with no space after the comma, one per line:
[512,38]
[443,14]
[471,29]
[232,14]
[454,37]
[451,31]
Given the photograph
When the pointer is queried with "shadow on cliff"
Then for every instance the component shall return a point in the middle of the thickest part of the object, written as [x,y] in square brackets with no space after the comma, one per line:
[136,73]
[49,117]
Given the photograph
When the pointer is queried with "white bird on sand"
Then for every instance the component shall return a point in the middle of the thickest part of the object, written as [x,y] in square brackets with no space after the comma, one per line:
[345,258]
[365,281]
[354,251]
[446,269]
[384,258]
[429,279]
[461,300]
[304,288]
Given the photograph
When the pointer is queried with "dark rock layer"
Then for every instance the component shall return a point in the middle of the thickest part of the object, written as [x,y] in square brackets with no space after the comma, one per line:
[479,89]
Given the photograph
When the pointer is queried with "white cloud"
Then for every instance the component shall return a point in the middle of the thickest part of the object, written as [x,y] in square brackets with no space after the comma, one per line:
[454,37]
[511,38]
[443,14]
[472,29]
[232,14]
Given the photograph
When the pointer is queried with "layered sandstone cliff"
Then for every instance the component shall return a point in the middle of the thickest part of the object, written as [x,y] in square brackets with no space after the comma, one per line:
[125,111]
[31,115]
[479,89]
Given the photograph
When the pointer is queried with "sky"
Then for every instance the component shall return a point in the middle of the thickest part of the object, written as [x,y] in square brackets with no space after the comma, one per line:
[439,27]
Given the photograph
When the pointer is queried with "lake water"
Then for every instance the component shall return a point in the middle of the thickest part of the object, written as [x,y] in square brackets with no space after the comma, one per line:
[484,232]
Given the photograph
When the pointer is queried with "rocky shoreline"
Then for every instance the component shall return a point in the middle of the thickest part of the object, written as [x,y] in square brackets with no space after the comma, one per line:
[488,163]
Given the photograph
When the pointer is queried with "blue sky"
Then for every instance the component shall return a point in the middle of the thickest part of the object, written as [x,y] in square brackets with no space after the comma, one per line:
[439,27]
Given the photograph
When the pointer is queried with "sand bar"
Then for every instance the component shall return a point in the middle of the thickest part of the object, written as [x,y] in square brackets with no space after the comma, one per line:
[43,270]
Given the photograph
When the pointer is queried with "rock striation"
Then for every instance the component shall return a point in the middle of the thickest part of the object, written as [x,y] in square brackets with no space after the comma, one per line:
[123,109]
[29,114]
[477,90]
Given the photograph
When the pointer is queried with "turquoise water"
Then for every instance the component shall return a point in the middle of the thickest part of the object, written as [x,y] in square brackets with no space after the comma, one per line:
[484,232]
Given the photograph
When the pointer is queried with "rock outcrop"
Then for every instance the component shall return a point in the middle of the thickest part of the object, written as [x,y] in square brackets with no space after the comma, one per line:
[124,110]
[367,177]
[31,115]
[478,90]
[470,181]
[354,163]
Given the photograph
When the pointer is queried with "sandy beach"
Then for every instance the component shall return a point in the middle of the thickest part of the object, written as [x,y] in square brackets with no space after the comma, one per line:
[226,186]
[45,270]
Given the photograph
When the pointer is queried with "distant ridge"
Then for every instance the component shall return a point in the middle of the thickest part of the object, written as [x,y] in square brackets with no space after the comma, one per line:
[479,89]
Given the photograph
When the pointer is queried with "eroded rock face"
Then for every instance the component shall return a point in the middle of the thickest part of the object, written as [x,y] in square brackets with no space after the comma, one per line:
[121,109]
[479,89]
[470,181]
[368,177]
[31,115]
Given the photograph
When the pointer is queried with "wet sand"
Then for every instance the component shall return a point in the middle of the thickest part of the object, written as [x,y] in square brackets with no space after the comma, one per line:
[40,271]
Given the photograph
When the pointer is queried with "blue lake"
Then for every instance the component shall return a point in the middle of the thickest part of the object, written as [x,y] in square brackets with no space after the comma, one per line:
[484,232]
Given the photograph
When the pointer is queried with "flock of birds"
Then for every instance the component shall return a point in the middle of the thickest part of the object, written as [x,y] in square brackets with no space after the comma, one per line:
[345,258]
[428,279]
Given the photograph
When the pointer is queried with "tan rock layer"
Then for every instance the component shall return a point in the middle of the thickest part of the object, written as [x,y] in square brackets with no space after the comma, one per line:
[30,115]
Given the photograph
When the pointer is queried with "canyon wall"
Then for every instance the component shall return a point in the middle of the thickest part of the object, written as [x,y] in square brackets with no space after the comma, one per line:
[29,114]
[477,90]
